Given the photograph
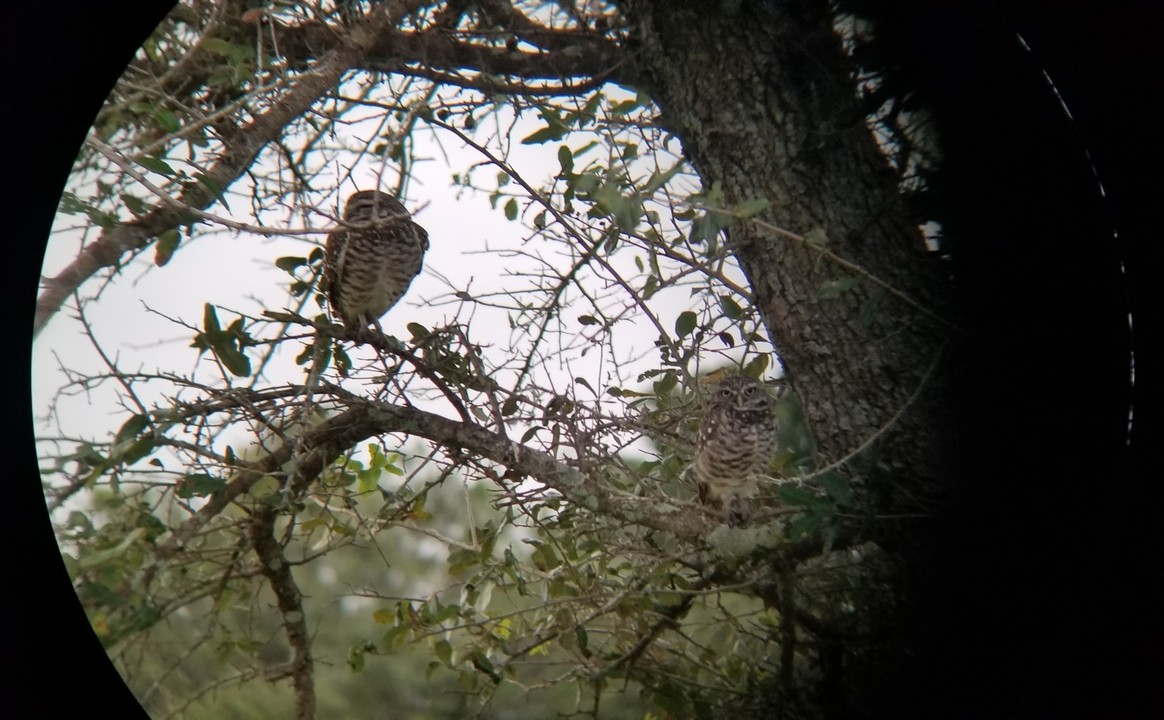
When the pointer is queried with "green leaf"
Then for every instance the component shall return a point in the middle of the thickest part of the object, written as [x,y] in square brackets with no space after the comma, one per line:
[167,243]
[582,638]
[395,638]
[586,183]
[625,210]
[832,289]
[305,356]
[685,323]
[566,159]
[624,107]
[212,186]
[419,332]
[817,237]
[356,658]
[136,205]
[167,120]
[137,450]
[555,129]
[444,652]
[611,242]
[367,480]
[545,134]
[838,488]
[198,485]
[101,218]
[511,209]
[210,319]
[342,362]
[730,307]
[665,384]
[103,556]
[233,359]
[756,366]
[129,430]
[157,165]
[794,495]
[217,45]
[288,264]
[804,525]
[588,320]
[748,208]
[226,345]
[545,559]
[871,307]
[71,204]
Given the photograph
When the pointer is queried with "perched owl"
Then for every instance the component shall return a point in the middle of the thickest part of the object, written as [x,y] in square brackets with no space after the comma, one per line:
[368,268]
[737,440]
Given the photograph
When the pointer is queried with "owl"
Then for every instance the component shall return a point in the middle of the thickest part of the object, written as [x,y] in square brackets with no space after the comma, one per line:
[737,440]
[368,267]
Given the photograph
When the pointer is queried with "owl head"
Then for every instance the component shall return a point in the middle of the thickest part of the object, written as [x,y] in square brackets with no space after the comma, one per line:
[368,204]
[741,393]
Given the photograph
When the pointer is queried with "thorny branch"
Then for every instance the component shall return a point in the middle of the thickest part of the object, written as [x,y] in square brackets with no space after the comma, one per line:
[365,419]
[238,153]
[325,54]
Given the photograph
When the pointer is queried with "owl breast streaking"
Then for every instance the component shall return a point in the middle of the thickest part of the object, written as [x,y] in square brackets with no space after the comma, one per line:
[369,266]
[737,440]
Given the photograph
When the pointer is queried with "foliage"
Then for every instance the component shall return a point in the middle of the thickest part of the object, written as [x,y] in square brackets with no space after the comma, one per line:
[495,506]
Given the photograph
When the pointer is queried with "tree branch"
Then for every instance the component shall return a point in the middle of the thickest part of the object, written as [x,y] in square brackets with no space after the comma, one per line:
[240,148]
[365,419]
[275,568]
[668,618]
[439,52]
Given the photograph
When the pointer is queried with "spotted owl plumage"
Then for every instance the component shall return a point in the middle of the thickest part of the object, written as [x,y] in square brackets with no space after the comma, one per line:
[736,443]
[368,268]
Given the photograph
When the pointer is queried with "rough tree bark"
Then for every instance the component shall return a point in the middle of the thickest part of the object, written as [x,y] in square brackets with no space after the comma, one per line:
[762,96]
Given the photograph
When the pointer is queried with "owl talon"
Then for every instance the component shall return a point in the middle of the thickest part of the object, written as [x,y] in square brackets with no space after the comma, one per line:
[738,512]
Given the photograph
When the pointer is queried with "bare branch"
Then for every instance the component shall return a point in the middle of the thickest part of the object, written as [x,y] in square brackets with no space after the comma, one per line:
[240,148]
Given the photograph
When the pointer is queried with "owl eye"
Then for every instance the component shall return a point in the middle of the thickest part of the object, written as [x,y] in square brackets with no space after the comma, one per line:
[750,390]
[725,392]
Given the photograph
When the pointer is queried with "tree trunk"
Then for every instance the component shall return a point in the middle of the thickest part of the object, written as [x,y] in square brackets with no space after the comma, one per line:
[763,98]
